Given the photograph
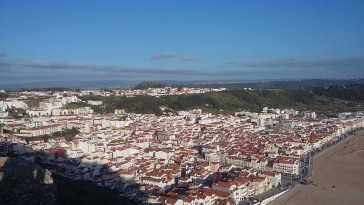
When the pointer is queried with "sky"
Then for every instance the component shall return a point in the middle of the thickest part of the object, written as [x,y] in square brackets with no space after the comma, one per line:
[180,40]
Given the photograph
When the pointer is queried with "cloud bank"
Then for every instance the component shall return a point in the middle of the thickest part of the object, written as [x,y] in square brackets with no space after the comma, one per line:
[174,55]
[41,70]
[338,62]
[78,67]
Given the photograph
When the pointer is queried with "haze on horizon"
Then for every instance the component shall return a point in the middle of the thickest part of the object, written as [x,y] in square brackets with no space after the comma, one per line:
[180,40]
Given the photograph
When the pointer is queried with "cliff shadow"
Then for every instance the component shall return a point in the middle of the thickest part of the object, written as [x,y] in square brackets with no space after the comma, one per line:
[37,177]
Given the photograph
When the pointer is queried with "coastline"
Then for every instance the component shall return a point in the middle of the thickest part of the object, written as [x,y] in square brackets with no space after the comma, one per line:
[338,176]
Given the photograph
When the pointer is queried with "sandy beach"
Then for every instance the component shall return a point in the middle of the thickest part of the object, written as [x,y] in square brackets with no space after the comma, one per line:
[338,177]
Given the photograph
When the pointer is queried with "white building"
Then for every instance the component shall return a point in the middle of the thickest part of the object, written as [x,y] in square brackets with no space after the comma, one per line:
[39,112]
[37,131]
[16,103]
[3,112]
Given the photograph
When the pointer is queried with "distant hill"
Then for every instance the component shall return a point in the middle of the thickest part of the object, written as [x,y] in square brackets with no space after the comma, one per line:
[149,84]
[56,89]
[274,84]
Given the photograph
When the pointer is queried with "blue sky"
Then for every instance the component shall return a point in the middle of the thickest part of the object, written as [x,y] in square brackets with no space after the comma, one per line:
[180,40]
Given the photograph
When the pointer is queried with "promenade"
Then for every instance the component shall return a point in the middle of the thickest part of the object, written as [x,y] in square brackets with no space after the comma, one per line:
[338,177]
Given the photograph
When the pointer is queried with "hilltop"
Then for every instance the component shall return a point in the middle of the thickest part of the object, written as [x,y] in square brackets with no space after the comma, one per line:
[149,84]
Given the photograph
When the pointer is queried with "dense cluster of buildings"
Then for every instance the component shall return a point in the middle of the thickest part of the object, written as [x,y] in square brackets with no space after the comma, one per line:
[190,157]
[153,91]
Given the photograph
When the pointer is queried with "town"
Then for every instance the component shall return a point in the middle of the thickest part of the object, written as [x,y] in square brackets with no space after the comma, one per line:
[182,157]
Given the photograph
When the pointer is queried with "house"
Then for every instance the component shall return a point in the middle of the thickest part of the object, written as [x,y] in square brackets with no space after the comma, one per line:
[291,166]
[274,179]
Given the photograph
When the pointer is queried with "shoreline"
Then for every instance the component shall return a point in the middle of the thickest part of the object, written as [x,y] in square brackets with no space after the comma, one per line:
[337,176]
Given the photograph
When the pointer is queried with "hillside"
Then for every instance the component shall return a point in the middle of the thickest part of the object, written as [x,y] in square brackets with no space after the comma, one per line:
[328,101]
[230,101]
[354,92]
[139,104]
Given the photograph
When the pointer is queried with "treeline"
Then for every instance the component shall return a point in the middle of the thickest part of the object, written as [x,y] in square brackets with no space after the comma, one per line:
[74,105]
[3,96]
[257,99]
[142,104]
[347,92]
[67,134]
[184,102]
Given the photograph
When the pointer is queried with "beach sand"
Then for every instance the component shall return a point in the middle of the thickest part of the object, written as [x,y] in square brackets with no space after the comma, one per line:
[341,166]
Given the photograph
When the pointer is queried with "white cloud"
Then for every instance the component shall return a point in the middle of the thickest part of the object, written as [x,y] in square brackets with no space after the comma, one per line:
[164,55]
[189,58]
